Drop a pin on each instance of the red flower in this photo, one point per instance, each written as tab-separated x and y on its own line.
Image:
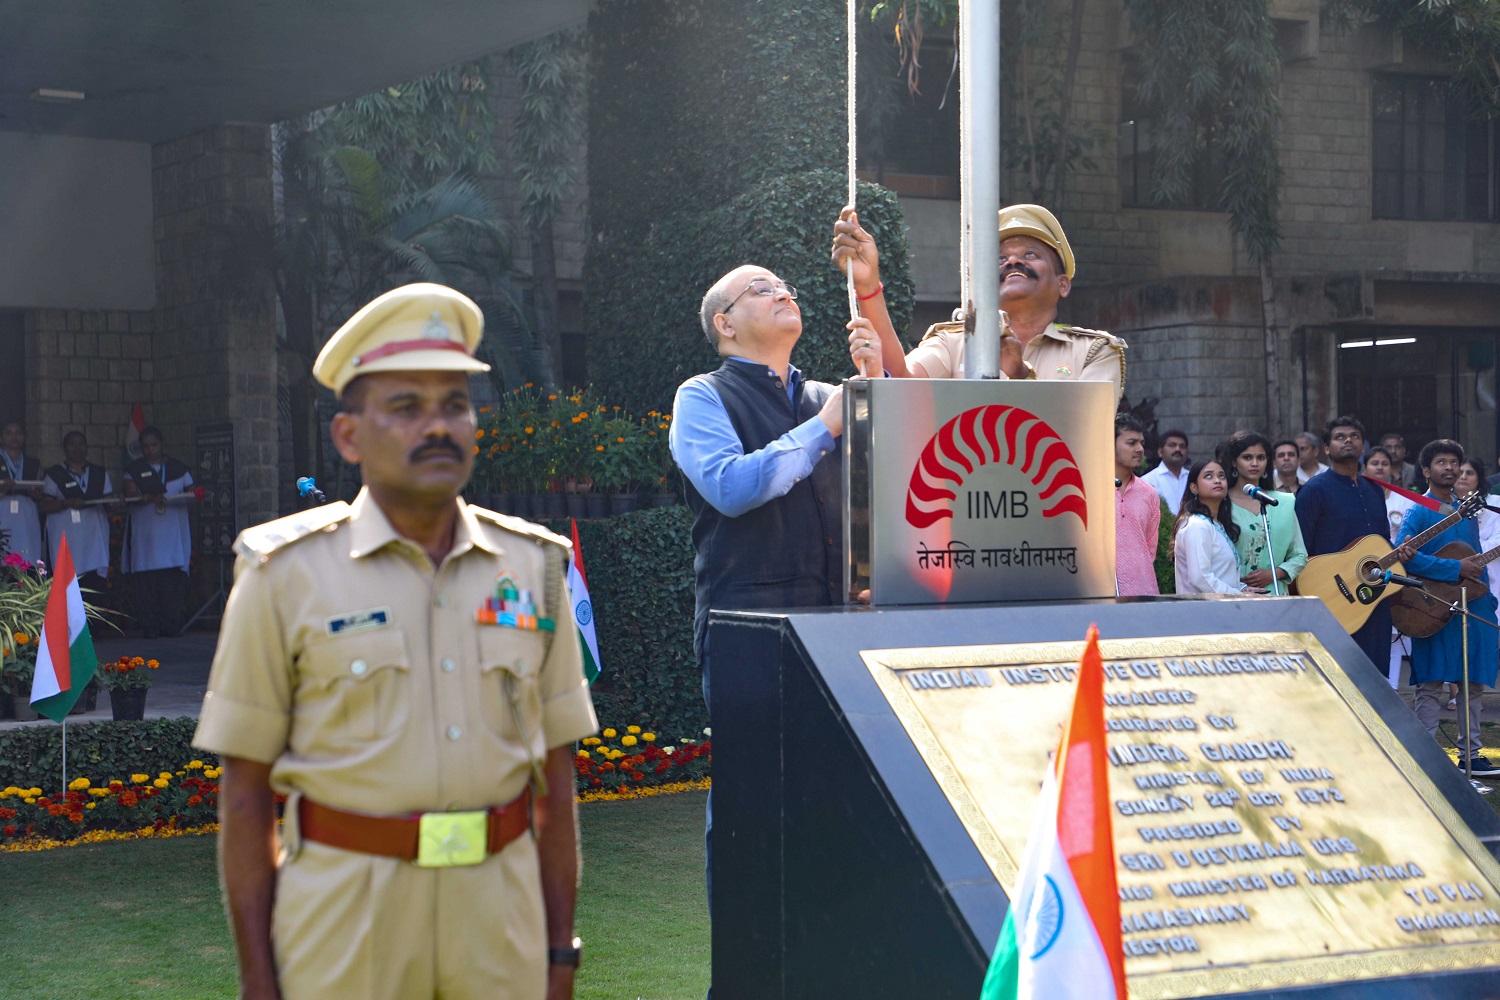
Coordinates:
10	831
56	810
44	801
637	776
76	817
128	799
595	782
194	800
662	768
7	814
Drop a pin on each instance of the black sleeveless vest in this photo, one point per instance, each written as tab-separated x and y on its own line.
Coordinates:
62	476
789	551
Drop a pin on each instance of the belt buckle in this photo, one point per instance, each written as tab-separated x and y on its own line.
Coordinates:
452	839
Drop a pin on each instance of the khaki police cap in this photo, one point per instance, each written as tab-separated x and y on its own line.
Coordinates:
1034	220
420	327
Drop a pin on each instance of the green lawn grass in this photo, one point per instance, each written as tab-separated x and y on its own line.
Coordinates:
143	918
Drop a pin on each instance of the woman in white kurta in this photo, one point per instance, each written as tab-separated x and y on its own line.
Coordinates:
1204	545
1380	465
70	496
158	542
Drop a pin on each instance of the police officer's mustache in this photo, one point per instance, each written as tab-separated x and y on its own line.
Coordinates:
444	446
1015	269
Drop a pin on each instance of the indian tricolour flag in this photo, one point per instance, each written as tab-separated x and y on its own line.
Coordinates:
583	609
133	434
65	659
1061	939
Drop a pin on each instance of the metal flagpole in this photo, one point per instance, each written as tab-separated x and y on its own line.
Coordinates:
980	167
65	754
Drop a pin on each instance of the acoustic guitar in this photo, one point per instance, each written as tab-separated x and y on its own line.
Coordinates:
1422	613
1352	582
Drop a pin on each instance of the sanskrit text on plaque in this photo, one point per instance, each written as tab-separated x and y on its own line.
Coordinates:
1267	826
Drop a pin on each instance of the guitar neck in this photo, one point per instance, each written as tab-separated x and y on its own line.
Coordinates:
1422	538
1489	556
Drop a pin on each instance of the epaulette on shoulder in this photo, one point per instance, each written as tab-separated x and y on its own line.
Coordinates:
521	527
947	326
1086	332
260	542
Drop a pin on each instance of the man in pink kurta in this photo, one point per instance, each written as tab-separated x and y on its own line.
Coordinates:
1137	512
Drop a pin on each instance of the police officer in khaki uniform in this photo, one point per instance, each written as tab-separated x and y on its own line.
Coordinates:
1036	270
401	668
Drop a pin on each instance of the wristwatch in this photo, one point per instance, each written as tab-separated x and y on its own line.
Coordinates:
566	956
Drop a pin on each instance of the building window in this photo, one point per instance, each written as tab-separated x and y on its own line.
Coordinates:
1140	140
1429	158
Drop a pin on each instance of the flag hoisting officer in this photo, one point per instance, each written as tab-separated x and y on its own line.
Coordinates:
392	667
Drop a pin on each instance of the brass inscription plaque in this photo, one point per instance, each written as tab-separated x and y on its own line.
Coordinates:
1270	831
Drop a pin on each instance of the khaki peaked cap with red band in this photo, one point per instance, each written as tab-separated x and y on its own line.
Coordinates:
414	328
1035	221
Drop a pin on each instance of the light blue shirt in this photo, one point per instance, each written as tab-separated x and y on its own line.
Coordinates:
708	451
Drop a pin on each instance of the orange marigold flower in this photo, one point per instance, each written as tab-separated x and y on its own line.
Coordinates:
598	447
76	817
153	664
21	638
136	661
128	799
195	800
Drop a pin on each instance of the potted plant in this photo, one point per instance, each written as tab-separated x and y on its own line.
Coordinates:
128	680
661	469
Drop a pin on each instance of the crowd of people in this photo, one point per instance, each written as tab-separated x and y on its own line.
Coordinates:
1224	503
40	505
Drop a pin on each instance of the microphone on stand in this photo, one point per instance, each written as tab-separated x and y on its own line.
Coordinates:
308	487
1256	493
1405	581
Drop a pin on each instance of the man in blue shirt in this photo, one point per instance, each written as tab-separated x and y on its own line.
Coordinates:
757	446
1438	660
1337	506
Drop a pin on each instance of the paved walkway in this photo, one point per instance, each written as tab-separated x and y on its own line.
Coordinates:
177	686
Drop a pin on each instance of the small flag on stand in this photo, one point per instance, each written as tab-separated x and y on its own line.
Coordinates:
1061	939
133	434
65	660
583	609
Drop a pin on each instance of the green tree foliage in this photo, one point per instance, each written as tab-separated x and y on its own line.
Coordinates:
421	131
1208	70
1464	33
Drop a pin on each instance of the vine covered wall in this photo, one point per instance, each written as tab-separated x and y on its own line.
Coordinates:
716	138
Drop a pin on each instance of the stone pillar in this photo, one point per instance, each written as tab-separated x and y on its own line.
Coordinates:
214	347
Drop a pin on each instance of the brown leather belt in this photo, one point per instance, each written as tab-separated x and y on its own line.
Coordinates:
397	836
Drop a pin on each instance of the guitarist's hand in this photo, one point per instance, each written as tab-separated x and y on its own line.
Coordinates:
1471	568
1405	551
1260	578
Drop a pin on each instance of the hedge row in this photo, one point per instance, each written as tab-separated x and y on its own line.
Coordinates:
100	751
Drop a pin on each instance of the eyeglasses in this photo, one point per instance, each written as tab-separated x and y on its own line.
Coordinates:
765	289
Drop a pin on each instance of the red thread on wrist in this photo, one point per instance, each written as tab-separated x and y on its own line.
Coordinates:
866	298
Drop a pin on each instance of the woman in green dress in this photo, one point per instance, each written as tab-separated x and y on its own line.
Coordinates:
1246	457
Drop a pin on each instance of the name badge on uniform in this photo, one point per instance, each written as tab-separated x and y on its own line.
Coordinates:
77	515
360	621
512	608
15	506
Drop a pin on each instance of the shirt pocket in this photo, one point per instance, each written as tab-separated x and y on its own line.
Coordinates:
510	665
355	688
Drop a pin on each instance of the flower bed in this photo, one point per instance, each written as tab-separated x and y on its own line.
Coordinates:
176	799
617	764
615	760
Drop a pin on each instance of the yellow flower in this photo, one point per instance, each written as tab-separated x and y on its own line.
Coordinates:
161	782
88	805
609	734
629	741
98	793
78	784
165	774
649	737
591	741
585	753
194	765
633	730
30	800
616	754
8	791
139	779
35	791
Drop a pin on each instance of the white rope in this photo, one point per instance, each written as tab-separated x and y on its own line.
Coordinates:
852	58
963	191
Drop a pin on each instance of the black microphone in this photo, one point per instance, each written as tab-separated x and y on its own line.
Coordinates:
308	487
1405	581
1256	493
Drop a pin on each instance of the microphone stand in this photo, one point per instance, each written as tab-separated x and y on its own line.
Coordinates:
1265	523
1461	607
